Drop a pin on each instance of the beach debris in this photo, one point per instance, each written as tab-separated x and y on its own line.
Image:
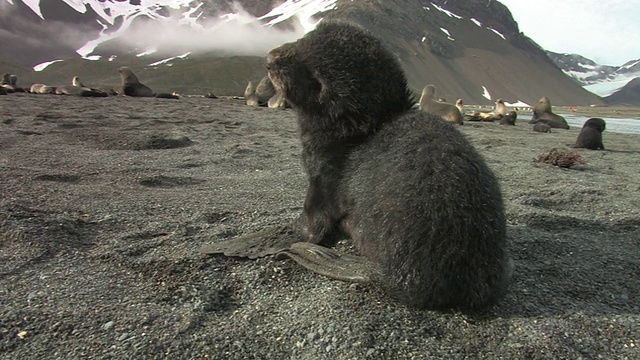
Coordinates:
560	158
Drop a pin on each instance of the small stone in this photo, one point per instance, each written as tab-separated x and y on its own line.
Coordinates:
108	325
123	337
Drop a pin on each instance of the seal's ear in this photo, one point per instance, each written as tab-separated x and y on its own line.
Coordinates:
321	87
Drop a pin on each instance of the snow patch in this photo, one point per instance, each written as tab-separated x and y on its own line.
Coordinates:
449	13
447	33
147	52
43	65
165	61
478	23
304	10
497	32
518	103
485	93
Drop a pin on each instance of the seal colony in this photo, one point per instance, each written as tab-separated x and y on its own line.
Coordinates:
422	207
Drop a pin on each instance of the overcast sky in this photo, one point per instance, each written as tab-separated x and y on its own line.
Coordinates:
605	31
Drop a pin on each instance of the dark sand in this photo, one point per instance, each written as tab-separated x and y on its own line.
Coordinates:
105	203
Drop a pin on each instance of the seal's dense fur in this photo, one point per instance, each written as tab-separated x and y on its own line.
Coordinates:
590	136
417	199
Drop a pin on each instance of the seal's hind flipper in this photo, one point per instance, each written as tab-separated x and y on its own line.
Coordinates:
262	243
331	263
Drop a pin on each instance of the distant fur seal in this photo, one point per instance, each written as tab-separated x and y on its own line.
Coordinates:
590	136
250	97
447	111
42	89
542	113
77	88
418	201
131	86
500	108
542	127
509	119
9	83
460	106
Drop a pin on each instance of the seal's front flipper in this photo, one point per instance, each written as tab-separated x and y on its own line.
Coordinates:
262	243
331	263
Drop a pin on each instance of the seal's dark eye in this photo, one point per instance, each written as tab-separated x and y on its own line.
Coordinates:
268	66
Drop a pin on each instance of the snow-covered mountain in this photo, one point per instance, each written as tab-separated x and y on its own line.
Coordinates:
470	49
602	80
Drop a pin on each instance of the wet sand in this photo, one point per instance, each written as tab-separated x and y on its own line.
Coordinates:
105	202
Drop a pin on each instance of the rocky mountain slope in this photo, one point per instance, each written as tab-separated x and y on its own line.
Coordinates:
470	49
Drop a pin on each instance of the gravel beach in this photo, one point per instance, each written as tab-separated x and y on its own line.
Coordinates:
105	202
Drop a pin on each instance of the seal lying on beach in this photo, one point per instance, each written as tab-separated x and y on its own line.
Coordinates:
419	202
542	114
42	89
447	111
590	136
77	88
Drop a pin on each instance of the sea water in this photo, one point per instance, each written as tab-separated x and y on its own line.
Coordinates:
618	125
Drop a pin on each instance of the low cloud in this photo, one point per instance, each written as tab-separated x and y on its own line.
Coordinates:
236	33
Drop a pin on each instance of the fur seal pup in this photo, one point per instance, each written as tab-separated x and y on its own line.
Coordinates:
509	119
447	111
542	127
590	136
542	113
131	86
420	204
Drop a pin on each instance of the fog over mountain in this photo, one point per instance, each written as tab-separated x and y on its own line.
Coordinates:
469	49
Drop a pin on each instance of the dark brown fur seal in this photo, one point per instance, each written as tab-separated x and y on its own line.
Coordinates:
131	86
542	127
542	114
590	136
418	201
447	111
509	119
